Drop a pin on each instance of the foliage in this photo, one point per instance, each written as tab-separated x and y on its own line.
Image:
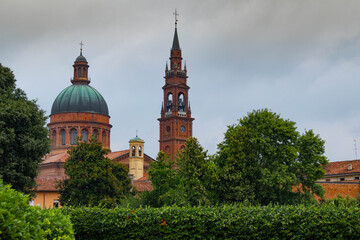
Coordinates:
264	159
23	136
187	184
193	171
226	222
164	180
93	178
19	220
341	201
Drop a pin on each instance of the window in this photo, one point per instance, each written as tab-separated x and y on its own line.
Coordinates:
328	179
139	151
169	103
54	138
167	149
133	151
96	134
73	136
181	102
62	134
357	178
104	138
79	72
342	179
83	72
56	203
84	134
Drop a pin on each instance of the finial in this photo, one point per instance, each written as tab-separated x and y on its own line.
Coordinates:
166	68
81	44
176	20
136	133
185	66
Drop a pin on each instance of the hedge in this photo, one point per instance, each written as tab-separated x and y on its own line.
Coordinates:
19	220
228	222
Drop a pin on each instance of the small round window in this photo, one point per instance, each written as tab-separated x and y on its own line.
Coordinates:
182	128
168	128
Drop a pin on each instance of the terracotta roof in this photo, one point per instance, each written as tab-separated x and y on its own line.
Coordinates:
47	184
113	155
144	178
342	167
60	157
143	185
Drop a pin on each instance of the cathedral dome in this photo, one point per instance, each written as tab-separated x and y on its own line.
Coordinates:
80	98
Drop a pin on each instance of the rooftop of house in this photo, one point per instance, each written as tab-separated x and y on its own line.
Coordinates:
342	167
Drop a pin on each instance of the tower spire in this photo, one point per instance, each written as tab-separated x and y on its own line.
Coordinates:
81	44
176	45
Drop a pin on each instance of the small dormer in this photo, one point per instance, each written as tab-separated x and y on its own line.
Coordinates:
349	167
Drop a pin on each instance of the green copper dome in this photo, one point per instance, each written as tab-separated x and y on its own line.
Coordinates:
80	98
80	58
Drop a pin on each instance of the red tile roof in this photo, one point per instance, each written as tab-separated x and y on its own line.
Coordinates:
113	155
60	157
144	185
343	167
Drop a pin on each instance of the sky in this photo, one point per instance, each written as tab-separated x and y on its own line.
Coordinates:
300	59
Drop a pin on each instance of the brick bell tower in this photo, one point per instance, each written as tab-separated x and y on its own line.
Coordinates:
176	120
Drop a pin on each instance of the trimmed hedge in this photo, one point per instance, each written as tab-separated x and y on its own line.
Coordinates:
19	220
228	222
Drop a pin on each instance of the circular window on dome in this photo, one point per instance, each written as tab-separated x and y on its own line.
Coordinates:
168	128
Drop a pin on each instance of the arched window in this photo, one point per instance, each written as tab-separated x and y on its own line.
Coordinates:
140	152
73	136
169	102
133	151
84	134
104	138
167	149
181	102
182	147
62	134
54	138
96	134
79	72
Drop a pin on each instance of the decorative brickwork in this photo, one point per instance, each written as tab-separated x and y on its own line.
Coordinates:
176	120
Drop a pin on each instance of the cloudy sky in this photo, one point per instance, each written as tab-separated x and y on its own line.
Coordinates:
300	59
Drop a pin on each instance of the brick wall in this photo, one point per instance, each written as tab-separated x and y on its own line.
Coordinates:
345	189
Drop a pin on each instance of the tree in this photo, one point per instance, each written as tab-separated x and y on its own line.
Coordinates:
23	135
193	169
264	159
189	183
93	178
164	180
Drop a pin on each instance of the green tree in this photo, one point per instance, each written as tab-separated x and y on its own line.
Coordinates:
189	183
93	178
19	220
164	180
193	170
23	135
264	159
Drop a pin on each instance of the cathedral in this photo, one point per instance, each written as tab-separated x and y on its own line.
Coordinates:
80	111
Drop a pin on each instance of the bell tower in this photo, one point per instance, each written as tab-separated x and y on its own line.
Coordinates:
176	120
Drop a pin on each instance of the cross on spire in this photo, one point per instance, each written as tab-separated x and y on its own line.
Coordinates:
81	44
176	15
